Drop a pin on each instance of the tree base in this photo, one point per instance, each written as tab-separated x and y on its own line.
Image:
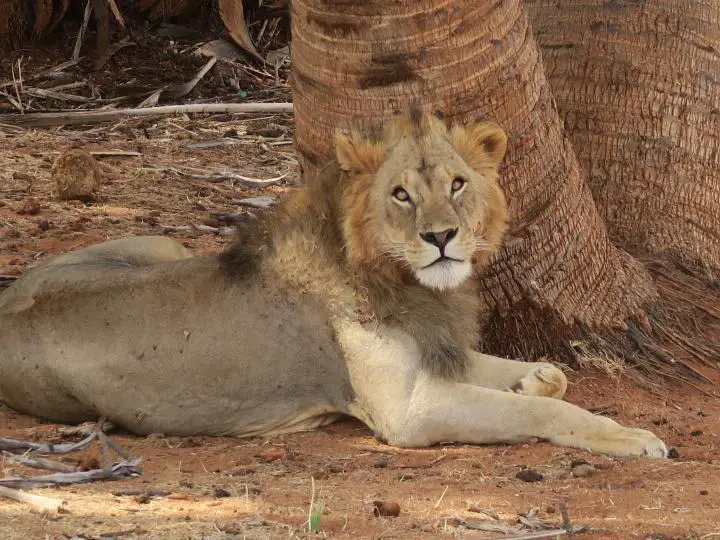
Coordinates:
678	339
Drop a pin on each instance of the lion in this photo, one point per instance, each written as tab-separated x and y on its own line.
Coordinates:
356	297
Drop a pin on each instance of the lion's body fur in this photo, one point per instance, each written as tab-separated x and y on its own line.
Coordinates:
341	302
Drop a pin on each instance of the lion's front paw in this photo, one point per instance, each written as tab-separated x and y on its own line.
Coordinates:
641	442
545	380
617	440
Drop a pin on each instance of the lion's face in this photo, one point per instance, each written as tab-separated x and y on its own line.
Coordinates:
426	199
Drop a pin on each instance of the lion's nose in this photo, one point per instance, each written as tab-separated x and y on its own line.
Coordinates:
439	239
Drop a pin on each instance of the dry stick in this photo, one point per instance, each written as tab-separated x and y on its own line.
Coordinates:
93	117
117	471
107	153
39	463
239	178
54	71
553	533
59	96
106	442
12	101
183	89
16	84
40	502
103	440
81	33
47	448
116	12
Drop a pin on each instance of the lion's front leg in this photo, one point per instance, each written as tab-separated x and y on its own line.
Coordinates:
440	410
527	378
407	406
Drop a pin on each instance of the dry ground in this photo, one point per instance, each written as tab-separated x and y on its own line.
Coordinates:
227	488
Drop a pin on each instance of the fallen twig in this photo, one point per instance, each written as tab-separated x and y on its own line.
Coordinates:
553	533
93	117
111	51
40	463
47	448
59	96
233	219
17	84
15	103
81	32
262	203
182	89
116	12
108	153
199	227
224	231
123	469
40	502
108	442
240	179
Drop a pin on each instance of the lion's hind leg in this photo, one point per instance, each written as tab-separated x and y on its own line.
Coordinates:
527	378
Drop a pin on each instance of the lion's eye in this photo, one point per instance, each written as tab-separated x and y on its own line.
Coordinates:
400	194
457	184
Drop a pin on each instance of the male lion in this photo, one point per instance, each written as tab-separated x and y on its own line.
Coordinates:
352	299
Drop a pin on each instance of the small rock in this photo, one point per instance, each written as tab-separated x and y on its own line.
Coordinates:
44	225
696	433
22	176
382	464
143	498
704	492
386	509
220	493
574	463
273	454
242	471
267	130
529	475
673	453
178	496
320	474
30	207
582	470
550	509
76	175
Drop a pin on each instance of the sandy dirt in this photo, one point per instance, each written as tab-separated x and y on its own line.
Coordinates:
230	488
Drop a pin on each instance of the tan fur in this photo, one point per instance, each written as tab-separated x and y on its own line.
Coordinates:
338	303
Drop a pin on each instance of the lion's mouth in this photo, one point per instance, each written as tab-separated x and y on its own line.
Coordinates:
443	261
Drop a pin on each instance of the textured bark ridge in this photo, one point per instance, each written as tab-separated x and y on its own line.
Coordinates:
638	86
359	63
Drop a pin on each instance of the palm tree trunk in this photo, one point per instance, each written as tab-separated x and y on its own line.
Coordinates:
358	63
638	86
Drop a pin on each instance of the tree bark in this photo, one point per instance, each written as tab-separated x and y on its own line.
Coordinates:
359	63
638	86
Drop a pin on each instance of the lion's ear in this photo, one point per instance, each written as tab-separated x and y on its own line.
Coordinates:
481	145
358	155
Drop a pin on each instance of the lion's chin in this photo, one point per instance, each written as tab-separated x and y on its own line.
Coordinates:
444	275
